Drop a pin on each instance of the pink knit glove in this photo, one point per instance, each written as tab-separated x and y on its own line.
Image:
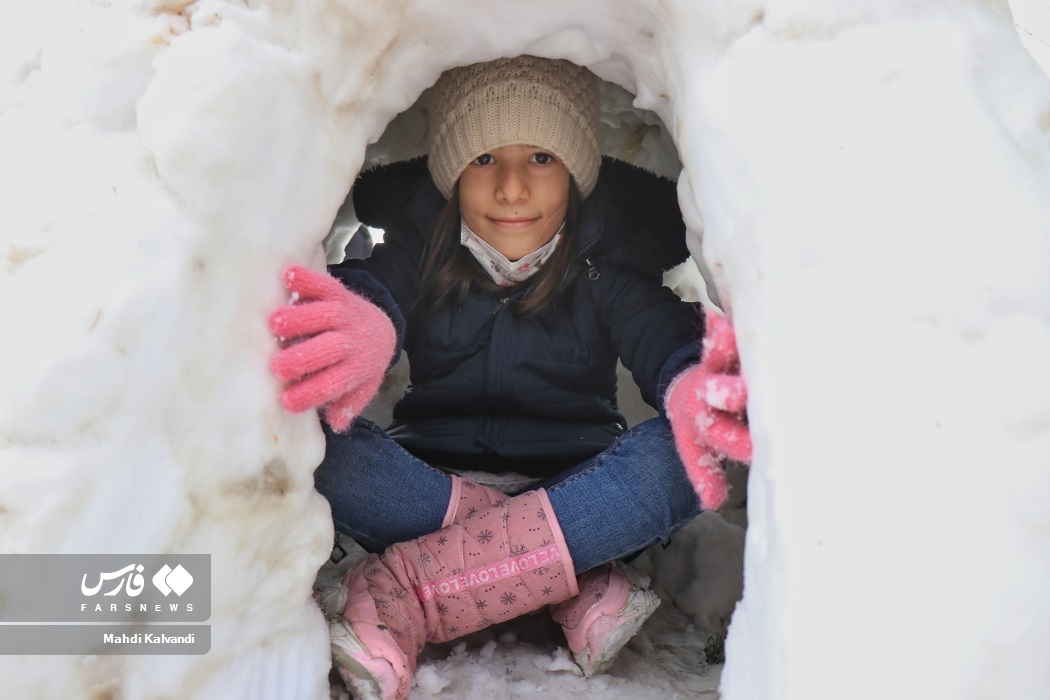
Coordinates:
706	406
341	347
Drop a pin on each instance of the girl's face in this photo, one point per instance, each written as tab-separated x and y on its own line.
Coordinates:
514	198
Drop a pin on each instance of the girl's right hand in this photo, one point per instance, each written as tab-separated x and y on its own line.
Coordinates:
340	347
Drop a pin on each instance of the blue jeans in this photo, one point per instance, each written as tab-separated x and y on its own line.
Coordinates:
618	502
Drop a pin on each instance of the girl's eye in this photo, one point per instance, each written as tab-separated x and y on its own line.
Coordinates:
484	159
542	158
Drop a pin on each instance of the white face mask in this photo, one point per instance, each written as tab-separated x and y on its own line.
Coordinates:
502	271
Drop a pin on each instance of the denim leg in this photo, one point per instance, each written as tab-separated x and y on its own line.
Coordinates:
630	496
379	493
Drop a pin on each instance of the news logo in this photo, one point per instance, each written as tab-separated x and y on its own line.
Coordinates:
167	581
131	603
132	582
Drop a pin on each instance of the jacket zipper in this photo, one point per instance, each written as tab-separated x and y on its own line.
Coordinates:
499	305
592	271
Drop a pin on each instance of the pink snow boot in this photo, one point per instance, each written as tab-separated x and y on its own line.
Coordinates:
613	604
492	566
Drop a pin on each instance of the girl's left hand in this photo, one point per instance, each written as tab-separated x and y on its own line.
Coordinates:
706	405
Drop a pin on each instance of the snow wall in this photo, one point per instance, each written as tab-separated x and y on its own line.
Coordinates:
870	181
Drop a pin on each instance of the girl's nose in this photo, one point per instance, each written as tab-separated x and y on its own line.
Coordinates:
511	185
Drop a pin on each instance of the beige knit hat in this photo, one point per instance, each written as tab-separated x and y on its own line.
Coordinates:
541	102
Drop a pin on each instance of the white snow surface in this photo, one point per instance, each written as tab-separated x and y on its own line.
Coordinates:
865	183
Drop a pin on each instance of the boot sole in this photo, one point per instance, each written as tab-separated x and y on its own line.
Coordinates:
361	678
628	620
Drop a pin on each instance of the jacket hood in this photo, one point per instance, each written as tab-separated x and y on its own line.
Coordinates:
631	218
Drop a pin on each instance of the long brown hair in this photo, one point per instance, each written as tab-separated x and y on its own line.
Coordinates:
448	268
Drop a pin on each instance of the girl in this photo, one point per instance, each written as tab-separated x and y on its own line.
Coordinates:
508	275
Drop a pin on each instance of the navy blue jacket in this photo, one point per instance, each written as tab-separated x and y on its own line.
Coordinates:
492	390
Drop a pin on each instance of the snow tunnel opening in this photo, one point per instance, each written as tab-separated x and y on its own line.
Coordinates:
627	133
639	137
